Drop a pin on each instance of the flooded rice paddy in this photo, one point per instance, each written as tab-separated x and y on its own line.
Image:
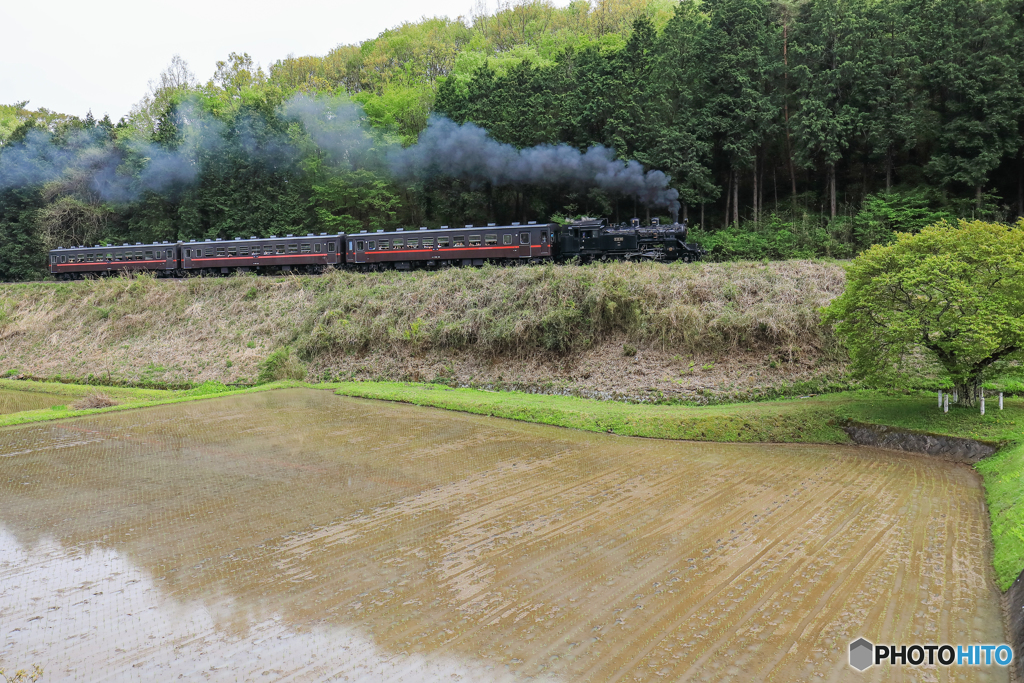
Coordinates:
296	535
17	401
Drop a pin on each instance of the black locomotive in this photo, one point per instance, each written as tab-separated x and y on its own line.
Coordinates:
584	241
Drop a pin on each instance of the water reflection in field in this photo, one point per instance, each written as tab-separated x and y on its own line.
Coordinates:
299	535
16	401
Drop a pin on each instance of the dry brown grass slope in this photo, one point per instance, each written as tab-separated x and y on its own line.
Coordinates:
732	329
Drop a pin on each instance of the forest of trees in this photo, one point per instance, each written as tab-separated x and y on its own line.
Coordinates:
790	128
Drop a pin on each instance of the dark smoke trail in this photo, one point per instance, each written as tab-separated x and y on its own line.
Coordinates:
467	152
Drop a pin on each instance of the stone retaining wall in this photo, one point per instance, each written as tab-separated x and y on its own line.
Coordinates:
949	448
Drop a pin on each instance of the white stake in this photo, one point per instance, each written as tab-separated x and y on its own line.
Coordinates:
982	405
1000	400
940	398
945	405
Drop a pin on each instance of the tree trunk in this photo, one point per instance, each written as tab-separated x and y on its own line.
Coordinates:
977	198
785	106
888	169
1020	185
966	393
757	205
736	198
686	211
832	189
702	215
775	185
728	200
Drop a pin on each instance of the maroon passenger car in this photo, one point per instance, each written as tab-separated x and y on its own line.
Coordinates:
444	246
77	263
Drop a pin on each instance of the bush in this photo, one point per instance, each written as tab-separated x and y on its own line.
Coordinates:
97	400
281	364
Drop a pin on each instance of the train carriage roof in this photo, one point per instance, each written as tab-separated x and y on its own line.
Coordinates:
114	246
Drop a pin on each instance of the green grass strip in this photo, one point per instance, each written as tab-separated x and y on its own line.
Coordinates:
1004	492
131	398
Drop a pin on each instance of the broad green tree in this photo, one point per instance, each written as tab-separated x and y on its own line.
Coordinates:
950	296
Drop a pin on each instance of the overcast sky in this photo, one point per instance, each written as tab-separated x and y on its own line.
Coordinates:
72	55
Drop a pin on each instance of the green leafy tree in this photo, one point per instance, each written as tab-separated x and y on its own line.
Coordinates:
972	76
886	213
885	89
951	296
682	138
827	69
739	70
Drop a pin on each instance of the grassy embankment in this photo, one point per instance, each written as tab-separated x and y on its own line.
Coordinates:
816	419
694	332
127	398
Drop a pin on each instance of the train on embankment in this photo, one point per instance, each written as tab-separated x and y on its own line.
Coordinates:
583	241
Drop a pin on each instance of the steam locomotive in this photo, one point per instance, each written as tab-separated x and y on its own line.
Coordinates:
584	240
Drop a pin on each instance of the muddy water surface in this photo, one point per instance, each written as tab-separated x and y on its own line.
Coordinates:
296	535
16	401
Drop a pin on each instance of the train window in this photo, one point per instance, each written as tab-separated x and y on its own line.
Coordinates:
209	251
413	243
293	249
442	242
304	247
280	249
243	251
138	256
524	238
359	245
474	240
110	257
188	253
428	242
89	257
317	247
384	244
118	256
543	238
506	239
490	239
398	244
459	241
350	245
149	256
63	259
232	251
221	251
268	249
373	245
330	246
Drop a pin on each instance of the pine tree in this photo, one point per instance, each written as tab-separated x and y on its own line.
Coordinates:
738	72
827	55
885	89
972	77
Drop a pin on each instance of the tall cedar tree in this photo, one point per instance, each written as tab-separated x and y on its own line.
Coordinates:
739	70
828	66
972	77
